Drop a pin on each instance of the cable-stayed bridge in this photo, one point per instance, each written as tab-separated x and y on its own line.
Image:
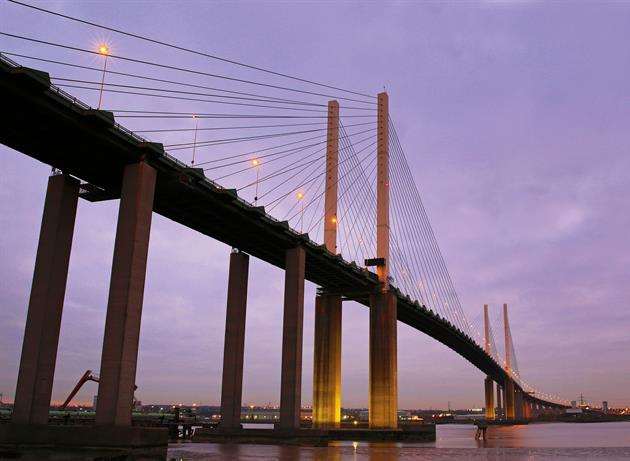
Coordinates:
307	176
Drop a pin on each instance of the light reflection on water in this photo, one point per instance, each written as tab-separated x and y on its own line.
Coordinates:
609	441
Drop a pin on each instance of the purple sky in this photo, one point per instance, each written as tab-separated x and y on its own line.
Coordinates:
515	119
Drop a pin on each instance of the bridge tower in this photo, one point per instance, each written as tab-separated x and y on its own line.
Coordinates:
508	388
489	384
327	342
383	386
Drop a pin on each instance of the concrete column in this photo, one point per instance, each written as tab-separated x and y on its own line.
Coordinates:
382	188
489	387
508	391
327	362
327	340
292	329
499	401
518	404
126	291
504	390
234	346
489	384
507	335
332	178
43	321
383	389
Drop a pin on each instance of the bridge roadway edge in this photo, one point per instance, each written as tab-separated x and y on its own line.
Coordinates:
47	124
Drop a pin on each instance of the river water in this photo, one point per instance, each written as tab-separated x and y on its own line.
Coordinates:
545	441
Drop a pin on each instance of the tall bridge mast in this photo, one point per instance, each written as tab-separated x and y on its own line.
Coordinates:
383	389
327	337
489	383
382	189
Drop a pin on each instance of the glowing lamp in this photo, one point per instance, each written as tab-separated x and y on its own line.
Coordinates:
103	49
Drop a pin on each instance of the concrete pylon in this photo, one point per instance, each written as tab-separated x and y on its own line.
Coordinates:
489	383
327	362
382	188
508	398
489	388
499	403
518	404
126	292
506	331
332	178
234	345
383	387
508	388
327	338
292	333
383	390
43	321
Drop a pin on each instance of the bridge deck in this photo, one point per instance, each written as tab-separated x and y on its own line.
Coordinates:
42	121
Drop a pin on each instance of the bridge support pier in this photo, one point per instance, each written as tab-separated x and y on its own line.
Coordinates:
234	345
518	405
508	399
43	321
499	414
489	388
292	333
327	362
126	291
383	389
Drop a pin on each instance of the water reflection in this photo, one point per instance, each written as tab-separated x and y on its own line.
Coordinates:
535	441
289	453
229	451
382	451
327	454
551	435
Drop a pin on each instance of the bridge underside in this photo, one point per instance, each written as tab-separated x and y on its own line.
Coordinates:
45	124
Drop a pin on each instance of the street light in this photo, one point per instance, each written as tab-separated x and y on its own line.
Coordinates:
300	197
103	50
256	165
196	119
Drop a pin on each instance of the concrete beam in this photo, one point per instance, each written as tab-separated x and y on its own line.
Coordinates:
292	333
327	362
383	388
43	321
234	346
126	292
